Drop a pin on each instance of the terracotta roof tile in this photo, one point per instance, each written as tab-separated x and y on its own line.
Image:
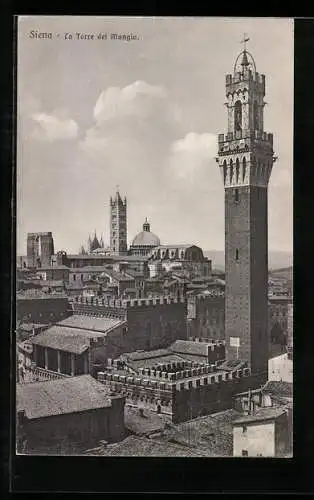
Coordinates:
66	339
57	397
262	414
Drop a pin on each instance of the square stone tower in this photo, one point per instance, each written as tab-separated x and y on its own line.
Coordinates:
245	160
40	249
118	225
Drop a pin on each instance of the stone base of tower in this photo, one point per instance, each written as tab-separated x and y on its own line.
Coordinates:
258	363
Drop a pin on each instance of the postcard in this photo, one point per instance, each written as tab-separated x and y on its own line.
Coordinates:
154	303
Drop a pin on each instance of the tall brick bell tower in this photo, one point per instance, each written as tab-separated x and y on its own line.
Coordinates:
245	160
118	225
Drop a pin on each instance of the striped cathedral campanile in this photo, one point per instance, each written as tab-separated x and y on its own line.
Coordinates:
246	159
118	225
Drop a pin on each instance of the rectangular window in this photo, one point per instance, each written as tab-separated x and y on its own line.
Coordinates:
236	195
237	254
245	453
74	277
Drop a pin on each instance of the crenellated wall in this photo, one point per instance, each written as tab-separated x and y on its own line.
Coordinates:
126	304
193	391
152	323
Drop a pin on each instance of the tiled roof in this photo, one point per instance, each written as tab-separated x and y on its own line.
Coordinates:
232	365
262	414
38	294
118	276
190	347
58	397
75	285
134	446
73	340
51	268
29	327
136	356
100	324
47	283
88	257
211	434
194	286
119	258
88	269
187	357
134	274
168	358
278	388
143	425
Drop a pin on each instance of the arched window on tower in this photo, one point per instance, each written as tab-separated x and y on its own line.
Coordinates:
238	116
237	170
244	169
258	168
225	170
231	170
255	116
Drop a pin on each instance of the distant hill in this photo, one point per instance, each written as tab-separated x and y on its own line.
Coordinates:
276	259
284	273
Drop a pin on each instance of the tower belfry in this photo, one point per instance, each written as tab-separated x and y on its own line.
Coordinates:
246	157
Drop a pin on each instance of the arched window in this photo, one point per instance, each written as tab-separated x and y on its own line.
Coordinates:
237	170
258	168
238	116
225	170
255	116
244	168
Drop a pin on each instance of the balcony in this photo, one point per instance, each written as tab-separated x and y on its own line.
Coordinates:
36	374
246	134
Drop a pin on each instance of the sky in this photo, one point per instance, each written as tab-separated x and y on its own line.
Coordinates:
143	115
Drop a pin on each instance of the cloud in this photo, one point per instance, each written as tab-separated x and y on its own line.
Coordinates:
53	127
130	139
133	100
190	155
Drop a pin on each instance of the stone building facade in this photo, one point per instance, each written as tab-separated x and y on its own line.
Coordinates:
151	323
40	249
100	329
245	158
43	310
183	390
189	258
279	317
206	315
266	433
67	415
136	263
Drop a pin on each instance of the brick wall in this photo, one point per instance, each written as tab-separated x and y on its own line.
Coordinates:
70	431
207	317
246	275
42	310
178	395
156	326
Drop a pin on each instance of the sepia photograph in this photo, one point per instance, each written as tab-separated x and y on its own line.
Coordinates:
154	236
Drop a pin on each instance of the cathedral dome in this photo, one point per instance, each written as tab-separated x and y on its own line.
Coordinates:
146	238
